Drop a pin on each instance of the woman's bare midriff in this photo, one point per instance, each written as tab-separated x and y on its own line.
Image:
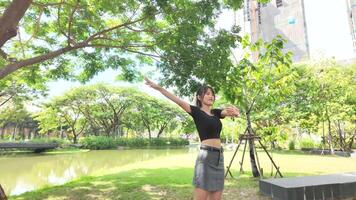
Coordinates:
214	142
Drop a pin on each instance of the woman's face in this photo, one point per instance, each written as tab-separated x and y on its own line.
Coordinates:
208	98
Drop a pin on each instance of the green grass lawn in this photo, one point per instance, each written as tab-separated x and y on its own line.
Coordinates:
171	177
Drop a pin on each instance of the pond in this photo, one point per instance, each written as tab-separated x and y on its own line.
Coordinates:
25	172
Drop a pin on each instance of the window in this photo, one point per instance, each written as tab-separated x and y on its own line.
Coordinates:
247	16
259	13
279	3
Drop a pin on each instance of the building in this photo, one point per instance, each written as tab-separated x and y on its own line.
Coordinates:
314	28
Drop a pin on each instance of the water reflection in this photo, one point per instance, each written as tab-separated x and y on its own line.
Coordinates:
25	172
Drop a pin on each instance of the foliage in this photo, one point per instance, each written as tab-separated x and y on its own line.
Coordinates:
103	142
60	142
77	39
259	88
325	95
291	145
154	114
110	111
98	142
307	144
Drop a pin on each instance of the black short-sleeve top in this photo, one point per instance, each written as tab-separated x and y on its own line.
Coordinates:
208	126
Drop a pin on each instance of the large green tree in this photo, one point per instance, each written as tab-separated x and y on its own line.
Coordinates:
104	106
77	39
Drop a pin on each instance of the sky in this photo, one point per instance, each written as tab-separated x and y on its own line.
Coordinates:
328	34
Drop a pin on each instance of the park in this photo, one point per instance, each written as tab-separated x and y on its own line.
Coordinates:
91	98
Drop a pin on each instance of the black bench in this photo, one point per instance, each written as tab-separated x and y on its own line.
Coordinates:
333	186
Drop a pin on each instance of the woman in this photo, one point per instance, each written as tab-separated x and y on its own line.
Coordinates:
209	167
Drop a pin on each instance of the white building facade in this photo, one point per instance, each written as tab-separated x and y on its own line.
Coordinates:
313	28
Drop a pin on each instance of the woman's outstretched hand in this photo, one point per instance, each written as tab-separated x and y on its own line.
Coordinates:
232	111
152	84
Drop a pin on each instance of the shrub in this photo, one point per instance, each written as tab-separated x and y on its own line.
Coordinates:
291	145
354	145
307	144
178	142
98	142
158	142
102	142
137	142
60	142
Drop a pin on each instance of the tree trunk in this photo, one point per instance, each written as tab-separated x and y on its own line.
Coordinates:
255	172
149	132
324	139
61	132
330	138
14	132
147	125
162	129
2	132
22	132
342	138
75	139
351	142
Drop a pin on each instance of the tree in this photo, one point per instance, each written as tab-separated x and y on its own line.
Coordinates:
259	86
111	34
17	117
155	114
67	108
188	126
104	106
20	88
325	93
49	120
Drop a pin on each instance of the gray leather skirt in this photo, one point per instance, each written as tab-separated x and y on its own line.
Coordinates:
209	169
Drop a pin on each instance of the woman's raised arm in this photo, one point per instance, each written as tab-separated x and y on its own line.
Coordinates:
169	95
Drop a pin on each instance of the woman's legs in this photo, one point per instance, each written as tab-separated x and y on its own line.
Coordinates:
215	195
200	194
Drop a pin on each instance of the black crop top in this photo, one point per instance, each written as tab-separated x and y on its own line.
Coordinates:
208	126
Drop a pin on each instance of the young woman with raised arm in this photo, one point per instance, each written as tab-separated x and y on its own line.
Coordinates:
209	166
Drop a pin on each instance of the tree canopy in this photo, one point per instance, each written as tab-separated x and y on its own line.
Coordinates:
74	39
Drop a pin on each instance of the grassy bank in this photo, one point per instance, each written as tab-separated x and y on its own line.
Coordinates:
161	183
170	178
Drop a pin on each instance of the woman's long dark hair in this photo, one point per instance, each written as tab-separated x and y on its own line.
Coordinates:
201	92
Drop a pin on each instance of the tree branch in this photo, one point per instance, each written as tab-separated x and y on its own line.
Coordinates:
7	69
11	18
21	45
3	54
126	48
119	46
48	4
142	30
2	103
70	22
93	37
37	25
138	52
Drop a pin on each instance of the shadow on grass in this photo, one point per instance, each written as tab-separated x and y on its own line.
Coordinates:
135	184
